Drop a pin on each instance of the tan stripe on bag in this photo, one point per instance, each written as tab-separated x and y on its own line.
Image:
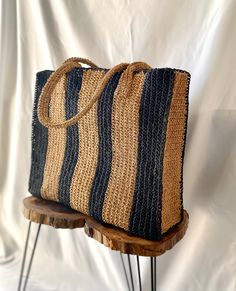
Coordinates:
56	144
171	178
88	145
125	129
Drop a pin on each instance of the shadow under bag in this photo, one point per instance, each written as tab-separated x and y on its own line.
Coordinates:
110	143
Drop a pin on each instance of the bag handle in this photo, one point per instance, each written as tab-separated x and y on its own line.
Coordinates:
68	65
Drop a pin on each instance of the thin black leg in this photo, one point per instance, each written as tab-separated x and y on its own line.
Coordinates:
126	276
24	257
152	281
139	275
31	258
155	273
130	272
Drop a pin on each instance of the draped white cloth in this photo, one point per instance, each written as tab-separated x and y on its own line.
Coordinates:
196	35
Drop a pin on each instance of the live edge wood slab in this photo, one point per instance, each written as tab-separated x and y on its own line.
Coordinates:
59	216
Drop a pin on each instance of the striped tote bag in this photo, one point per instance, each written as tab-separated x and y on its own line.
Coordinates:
110	143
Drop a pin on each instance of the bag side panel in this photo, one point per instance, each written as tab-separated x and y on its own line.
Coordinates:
125	124
85	168
39	140
172	204
56	144
73	86
105	151
145	219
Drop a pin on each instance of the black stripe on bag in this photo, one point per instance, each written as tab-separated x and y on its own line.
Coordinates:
103	169
39	140
73	85
145	218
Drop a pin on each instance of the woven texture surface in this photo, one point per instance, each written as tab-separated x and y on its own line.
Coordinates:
122	163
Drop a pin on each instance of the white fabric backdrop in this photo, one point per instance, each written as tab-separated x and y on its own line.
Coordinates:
195	35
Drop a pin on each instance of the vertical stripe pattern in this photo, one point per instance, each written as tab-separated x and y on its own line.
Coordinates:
39	140
74	80
103	170
88	145
145	215
172	164
56	144
122	163
125	123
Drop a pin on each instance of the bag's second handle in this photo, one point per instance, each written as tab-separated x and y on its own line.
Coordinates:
67	66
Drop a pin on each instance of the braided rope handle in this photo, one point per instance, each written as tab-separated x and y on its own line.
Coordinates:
67	66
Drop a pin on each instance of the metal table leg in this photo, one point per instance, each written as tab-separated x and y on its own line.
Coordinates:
125	272
130	280
139	275
24	258
153	273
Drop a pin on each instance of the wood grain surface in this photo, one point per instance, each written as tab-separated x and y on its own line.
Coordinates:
59	216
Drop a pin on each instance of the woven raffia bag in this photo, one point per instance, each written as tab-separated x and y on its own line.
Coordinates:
110	143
